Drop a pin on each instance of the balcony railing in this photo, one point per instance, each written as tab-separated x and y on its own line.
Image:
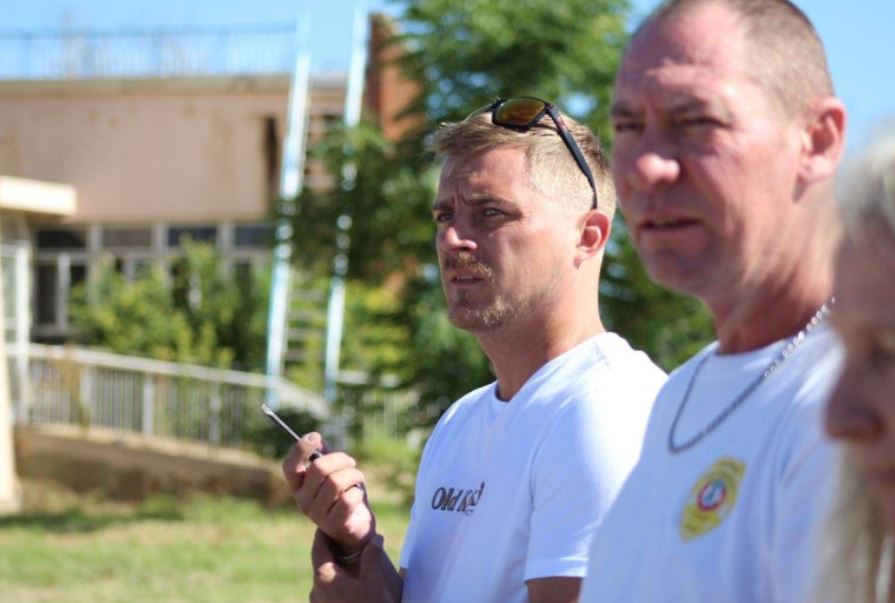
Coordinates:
87	54
68	385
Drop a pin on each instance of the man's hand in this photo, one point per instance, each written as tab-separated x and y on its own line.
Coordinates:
373	580
330	492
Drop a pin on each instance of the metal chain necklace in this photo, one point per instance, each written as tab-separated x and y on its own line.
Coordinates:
787	351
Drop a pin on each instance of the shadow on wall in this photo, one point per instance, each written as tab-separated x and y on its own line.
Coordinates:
126	467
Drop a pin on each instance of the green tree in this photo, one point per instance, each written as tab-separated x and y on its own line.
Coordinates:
463	54
203	315
466	53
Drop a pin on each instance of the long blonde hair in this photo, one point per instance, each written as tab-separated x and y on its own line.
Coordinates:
857	556
857	552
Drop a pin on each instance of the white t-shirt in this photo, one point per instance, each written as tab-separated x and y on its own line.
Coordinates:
733	518
510	491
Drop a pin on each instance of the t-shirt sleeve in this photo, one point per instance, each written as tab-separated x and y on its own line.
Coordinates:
409	540
412	533
578	469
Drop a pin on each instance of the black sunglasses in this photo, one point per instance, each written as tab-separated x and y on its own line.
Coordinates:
521	113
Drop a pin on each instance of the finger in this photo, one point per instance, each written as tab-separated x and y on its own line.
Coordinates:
334	461
350	498
312	442
318	472
294	469
345	506
319	505
350	522
337	484
300	455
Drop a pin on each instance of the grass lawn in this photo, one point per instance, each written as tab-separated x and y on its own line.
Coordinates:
66	548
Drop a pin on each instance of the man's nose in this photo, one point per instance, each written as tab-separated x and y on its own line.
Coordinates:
648	163
851	412
454	236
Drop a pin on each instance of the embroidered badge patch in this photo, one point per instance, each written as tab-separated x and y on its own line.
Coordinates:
711	498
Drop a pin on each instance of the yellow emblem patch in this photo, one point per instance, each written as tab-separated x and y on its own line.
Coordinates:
711	498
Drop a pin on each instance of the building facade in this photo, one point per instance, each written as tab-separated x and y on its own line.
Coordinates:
151	161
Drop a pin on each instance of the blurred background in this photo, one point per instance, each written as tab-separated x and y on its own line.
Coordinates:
209	205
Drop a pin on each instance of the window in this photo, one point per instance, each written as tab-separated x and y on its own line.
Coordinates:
253	235
46	293
198	234
62	238
127	237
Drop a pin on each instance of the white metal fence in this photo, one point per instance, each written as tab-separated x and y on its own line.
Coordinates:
69	385
74	54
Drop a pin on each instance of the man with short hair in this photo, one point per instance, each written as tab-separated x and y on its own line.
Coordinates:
516	474
727	139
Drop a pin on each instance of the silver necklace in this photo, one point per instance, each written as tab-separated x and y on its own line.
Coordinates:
787	351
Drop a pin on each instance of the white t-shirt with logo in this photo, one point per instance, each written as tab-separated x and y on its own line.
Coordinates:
733	518
510	491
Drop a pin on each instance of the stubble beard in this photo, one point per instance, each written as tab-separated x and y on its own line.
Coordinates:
471	316
505	306
467	312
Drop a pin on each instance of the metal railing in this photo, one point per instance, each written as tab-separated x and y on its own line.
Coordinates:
69	385
82	54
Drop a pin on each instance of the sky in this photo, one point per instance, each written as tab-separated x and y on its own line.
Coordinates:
857	34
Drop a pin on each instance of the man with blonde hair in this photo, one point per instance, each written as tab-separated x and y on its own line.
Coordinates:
727	140
516	474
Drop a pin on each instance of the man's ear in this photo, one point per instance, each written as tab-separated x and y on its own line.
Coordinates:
593	235
823	140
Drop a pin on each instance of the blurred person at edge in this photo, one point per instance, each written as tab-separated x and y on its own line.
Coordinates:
516	474
727	138
858	564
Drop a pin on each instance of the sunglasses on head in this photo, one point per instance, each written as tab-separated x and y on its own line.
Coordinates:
521	113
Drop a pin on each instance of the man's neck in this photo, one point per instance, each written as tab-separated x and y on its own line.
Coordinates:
517	352
768	316
790	292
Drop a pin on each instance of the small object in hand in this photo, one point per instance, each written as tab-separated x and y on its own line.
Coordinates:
276	419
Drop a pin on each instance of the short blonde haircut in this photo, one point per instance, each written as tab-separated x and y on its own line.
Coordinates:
553	169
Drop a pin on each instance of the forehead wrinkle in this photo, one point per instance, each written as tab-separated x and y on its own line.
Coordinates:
694	40
669	52
460	184
680	89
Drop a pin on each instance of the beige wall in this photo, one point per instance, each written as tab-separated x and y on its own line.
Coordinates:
125	466
179	150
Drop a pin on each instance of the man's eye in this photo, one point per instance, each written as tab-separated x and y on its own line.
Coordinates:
490	212
442	216
698	120
624	127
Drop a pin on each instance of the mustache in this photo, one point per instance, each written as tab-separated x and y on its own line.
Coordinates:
466	261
